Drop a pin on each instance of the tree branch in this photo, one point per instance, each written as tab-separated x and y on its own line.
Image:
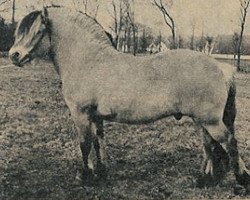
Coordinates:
96	11
4	2
243	9
169	21
4	10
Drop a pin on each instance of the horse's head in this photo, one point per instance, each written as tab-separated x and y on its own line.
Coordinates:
29	33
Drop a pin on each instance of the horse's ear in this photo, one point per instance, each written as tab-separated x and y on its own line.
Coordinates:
44	15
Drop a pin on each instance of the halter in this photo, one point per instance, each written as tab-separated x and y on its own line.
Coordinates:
48	30
47	23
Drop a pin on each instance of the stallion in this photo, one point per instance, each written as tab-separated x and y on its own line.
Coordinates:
101	84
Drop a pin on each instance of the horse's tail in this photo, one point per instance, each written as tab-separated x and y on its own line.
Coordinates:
230	108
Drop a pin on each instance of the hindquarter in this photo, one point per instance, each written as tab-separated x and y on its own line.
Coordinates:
198	89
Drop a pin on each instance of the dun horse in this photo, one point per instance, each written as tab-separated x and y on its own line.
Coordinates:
100	84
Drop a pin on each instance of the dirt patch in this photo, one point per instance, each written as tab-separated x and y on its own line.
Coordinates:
40	157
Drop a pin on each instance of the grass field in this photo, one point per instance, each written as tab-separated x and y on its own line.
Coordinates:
40	156
244	63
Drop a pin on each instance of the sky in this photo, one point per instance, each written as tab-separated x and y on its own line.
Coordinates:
212	17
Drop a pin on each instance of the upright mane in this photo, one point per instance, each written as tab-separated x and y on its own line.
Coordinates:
89	26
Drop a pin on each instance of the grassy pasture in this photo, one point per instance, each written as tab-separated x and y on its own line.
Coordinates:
40	157
244	63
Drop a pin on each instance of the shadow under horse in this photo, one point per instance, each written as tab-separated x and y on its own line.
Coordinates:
100	83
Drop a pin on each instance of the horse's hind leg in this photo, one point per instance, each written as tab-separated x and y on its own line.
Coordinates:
216	160
240	171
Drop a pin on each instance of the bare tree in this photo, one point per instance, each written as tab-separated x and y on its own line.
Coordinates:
169	20
235	43
118	16
244	4
85	3
193	25
180	42
209	46
3	3
124	27
90	8
13	12
130	14
13	9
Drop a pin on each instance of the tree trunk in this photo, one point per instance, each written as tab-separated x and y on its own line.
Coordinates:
238	61
174	38
13	12
244	7
134	41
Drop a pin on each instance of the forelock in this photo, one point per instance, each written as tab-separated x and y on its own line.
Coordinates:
26	23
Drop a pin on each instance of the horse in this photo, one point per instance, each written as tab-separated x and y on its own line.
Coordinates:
101	84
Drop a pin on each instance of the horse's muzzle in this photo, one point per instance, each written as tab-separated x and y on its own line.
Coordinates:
18	60
15	58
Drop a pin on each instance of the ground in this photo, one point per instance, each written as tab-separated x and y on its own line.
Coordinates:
40	156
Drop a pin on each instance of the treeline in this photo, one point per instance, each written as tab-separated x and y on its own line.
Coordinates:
227	44
137	38
6	35
138	42
222	44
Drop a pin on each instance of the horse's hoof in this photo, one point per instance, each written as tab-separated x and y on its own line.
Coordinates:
244	180
87	174
241	191
206	180
101	171
83	176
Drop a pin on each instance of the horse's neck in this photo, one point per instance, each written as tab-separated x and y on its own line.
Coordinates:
73	45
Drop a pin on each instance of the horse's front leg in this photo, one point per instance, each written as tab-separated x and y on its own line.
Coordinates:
99	146
90	130
89	125
86	136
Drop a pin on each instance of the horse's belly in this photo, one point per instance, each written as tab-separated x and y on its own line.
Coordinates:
139	110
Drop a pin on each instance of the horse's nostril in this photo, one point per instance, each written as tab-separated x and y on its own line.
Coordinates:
15	56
